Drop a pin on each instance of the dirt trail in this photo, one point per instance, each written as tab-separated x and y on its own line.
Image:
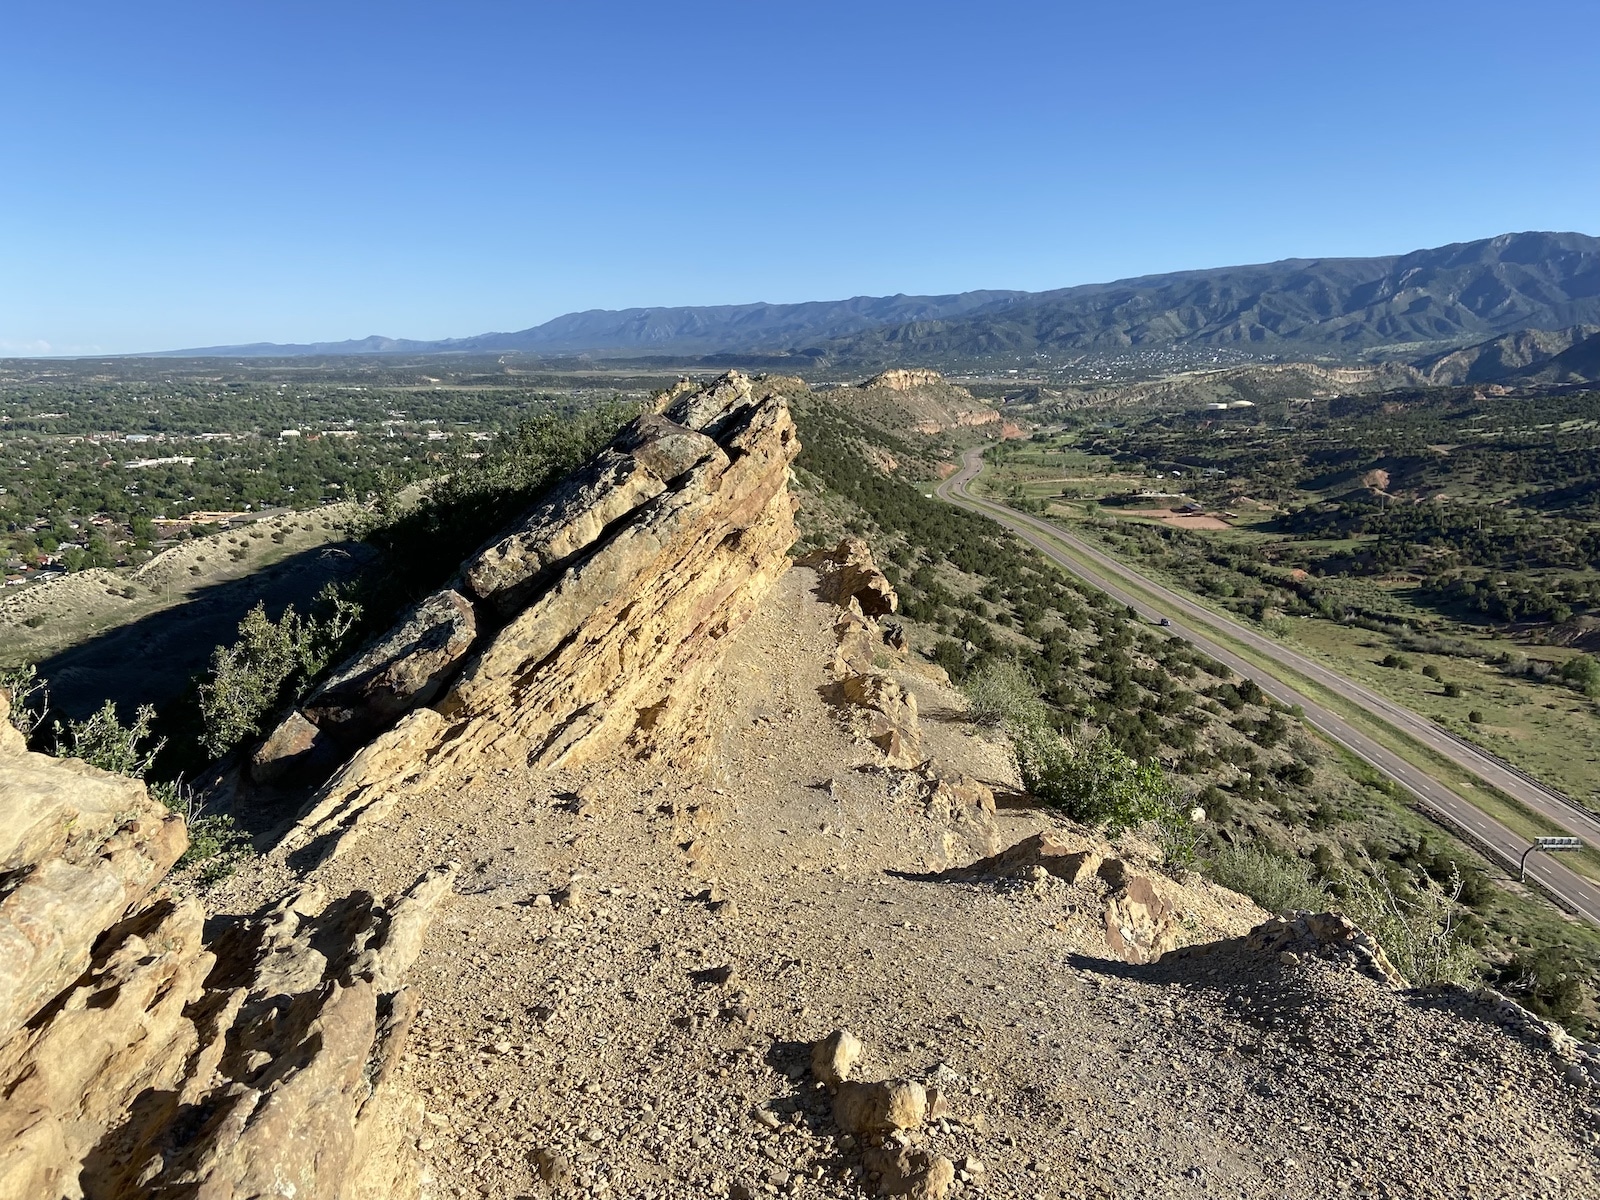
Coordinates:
619	1001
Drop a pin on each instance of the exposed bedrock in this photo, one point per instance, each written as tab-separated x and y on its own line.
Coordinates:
599	615
136	1060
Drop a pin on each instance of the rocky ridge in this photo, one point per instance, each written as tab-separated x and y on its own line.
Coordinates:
698	884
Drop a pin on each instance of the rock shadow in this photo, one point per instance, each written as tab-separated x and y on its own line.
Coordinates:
151	660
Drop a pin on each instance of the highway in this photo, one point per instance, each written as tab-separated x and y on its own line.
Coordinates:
1441	803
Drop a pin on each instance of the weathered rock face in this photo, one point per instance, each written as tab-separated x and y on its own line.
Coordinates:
849	573
651	454
600	614
904	379
78	849
405	668
137	1061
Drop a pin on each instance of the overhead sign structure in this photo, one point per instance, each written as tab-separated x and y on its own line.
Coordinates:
1549	845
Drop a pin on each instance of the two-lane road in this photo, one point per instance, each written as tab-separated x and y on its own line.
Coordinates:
1442	803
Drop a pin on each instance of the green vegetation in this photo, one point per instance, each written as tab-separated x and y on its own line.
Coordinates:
1435	545
1279	883
1289	818
103	741
271	665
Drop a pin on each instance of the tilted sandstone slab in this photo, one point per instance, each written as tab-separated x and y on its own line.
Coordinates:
625	585
615	651
650	454
405	668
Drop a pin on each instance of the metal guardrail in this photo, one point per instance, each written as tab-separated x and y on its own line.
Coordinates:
1554	793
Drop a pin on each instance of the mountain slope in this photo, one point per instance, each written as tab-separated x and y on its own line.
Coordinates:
1451	295
1521	354
1457	293
684	330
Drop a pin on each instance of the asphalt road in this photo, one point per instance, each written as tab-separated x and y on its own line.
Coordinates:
1443	804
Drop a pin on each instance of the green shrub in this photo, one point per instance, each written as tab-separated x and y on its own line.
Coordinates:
1452	690
28	695
999	692
1583	672
1276	882
103	741
1417	925
1548	982
271	664
216	844
1095	782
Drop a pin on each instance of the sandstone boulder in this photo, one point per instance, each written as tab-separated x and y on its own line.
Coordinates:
79	848
865	1109
1065	855
295	747
910	1171
891	717
835	1056
404	669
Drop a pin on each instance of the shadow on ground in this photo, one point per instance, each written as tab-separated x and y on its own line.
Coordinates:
150	660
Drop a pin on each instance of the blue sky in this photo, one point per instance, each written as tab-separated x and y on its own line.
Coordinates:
176	174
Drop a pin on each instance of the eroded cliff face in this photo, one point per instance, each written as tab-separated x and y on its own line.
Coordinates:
591	627
139	1060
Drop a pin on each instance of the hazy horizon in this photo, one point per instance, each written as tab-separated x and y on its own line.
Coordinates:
200	177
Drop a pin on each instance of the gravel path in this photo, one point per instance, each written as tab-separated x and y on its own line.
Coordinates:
621	1000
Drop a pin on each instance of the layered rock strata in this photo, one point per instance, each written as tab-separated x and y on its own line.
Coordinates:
598	617
137	1060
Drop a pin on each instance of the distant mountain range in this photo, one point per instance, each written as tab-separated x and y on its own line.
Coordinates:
1454	295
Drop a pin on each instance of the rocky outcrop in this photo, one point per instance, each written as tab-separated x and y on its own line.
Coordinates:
137	1060
904	379
405	668
848	577
1120	894
79	848
849	573
1325	935
599	616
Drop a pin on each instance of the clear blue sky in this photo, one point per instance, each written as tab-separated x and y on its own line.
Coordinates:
181	174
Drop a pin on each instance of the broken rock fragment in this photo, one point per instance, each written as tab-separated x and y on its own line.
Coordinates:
879	1108
835	1056
907	1171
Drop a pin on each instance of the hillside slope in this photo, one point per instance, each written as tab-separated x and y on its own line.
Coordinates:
1456	293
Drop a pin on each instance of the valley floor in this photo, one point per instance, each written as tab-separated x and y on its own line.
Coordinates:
620	999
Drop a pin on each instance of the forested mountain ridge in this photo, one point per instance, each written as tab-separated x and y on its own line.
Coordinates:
667	330
1451	295
1459	293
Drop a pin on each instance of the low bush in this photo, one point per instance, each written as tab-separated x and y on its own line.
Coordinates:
1276	882
103	741
1416	924
272	663
999	692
